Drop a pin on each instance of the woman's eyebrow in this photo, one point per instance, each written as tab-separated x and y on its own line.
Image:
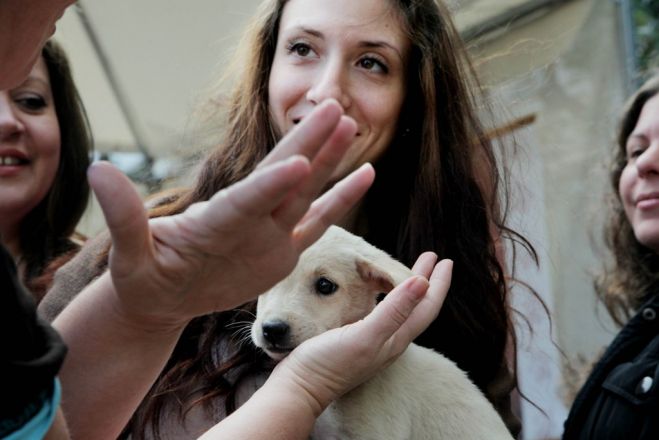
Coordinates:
636	136
381	44
32	80
306	30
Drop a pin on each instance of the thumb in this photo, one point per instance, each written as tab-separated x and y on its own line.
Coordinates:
123	210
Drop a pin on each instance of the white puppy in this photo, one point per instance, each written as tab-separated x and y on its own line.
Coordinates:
422	395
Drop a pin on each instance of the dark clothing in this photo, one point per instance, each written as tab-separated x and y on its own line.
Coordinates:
620	399
31	352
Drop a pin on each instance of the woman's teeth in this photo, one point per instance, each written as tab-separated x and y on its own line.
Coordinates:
9	161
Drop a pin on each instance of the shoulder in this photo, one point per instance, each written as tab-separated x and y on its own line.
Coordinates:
622	392
65	250
76	272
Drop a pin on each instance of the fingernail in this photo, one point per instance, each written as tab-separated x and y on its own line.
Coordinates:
418	286
295	158
331	101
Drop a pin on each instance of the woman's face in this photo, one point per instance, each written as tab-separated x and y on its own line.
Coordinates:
639	181
29	144
354	51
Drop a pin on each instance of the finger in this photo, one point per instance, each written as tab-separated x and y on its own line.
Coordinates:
330	155
333	205
322	168
429	306
440	281
393	312
308	136
123	211
425	264
258	194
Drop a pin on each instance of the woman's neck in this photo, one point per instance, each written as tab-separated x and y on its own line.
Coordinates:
10	237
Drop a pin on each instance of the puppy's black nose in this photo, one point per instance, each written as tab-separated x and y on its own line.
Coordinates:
275	332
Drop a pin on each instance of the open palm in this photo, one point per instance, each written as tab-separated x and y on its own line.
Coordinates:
225	251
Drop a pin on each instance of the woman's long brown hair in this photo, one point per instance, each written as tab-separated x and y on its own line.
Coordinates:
437	188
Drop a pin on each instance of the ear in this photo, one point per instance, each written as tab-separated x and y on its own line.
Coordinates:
374	264
381	273
377	279
379	270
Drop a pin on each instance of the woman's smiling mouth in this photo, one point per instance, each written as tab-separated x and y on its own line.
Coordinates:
648	201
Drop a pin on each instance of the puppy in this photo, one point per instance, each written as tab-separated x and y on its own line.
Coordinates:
422	395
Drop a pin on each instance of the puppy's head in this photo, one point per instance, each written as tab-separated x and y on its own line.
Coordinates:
337	281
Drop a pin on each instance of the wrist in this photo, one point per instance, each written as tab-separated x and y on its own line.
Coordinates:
135	318
314	395
278	399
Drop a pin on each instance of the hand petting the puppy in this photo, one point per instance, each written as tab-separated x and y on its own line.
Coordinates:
342	358
214	256
327	366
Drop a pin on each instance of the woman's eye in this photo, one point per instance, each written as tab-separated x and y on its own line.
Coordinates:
31	103
373	64
300	49
325	286
633	153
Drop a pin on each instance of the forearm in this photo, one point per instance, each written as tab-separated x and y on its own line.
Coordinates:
58	430
279	410
111	364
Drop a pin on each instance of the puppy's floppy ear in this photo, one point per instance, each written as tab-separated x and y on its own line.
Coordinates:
380	269
376	278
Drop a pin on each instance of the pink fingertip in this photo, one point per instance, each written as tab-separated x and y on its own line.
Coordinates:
418	286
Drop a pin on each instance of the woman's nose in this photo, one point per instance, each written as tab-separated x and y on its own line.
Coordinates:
648	162
10	124
330	82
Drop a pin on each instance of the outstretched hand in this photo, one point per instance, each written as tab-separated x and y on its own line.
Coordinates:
331	364
223	252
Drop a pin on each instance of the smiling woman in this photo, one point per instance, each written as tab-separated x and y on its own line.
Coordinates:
620	398
399	70
30	150
45	145
323	52
639	192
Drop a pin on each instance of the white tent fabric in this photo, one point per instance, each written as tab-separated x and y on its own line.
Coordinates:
160	54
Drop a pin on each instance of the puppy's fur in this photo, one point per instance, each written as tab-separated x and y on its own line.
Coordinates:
422	395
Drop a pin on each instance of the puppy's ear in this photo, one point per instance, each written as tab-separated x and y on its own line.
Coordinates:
376	278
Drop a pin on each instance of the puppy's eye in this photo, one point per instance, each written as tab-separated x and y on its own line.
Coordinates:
380	297
325	286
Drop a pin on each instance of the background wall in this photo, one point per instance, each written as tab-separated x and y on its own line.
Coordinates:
565	68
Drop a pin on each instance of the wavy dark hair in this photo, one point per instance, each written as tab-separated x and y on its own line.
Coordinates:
437	188
634	270
45	232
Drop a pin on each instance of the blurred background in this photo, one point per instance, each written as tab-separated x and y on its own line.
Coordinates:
558	71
